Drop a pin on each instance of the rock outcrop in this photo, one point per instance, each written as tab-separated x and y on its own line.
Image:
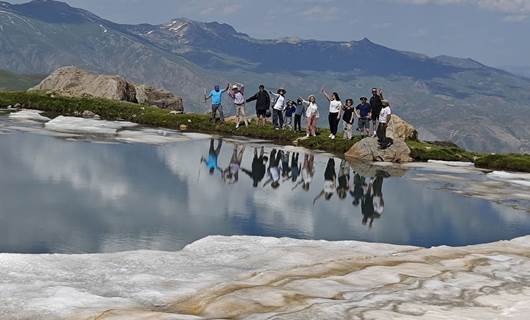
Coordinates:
75	82
368	150
399	129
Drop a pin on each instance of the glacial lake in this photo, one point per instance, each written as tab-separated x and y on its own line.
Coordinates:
90	194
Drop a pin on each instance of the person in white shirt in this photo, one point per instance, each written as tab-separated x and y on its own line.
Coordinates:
335	108
238	96
384	119
279	106
312	115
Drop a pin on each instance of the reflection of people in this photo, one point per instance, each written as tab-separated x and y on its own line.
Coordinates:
213	156
295	167
286	169
258	167
330	177
308	171
274	169
379	202
367	205
231	174
358	189
344	179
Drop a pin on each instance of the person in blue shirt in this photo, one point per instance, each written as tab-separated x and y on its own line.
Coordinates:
289	112
363	112
217	102
213	156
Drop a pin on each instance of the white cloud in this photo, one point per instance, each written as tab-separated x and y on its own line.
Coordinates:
321	13
516	10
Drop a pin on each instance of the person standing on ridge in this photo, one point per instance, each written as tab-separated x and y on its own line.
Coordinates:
238	96
348	117
217	99
312	115
363	114
300	110
375	107
384	121
335	108
279	106
263	103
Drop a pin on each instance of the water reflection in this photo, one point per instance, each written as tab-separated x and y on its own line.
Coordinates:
66	196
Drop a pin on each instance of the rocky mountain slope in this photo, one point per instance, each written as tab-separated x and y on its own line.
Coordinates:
461	100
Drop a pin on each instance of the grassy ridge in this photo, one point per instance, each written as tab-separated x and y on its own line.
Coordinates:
151	116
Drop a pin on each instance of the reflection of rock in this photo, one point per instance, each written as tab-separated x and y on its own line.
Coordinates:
399	129
368	150
369	169
75	82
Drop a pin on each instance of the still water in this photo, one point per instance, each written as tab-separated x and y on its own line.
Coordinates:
61	196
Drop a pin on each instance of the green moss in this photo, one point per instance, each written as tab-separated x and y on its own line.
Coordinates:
424	151
508	162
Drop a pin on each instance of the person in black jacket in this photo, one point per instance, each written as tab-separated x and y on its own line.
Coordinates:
263	103
376	105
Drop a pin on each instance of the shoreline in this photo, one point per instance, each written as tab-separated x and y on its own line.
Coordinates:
151	116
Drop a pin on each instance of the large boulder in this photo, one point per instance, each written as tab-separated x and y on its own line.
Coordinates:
399	129
368	150
75	82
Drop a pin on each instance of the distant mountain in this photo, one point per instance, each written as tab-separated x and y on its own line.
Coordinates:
461	100
523	71
13	82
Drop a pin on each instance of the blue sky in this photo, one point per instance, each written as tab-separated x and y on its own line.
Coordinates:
496	32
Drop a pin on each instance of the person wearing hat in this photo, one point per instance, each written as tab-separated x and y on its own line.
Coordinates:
263	103
384	119
217	98
238	96
362	111
279	106
376	106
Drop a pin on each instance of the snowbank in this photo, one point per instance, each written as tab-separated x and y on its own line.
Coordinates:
87	126
261	278
33	115
511	177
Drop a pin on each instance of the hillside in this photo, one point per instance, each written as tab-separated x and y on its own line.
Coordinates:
476	106
11	81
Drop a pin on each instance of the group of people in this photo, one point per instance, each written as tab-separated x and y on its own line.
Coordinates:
280	167
373	115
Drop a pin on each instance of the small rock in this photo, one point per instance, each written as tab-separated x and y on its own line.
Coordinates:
90	115
17	106
183	127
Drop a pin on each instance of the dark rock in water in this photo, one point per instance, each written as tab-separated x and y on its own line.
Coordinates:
75	82
369	149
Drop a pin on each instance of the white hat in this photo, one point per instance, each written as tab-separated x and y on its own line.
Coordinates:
235	87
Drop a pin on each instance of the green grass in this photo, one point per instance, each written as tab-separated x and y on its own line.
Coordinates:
508	162
11	81
152	116
424	151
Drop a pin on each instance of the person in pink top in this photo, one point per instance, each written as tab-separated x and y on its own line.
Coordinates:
237	93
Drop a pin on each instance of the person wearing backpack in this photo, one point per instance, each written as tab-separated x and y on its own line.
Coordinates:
263	103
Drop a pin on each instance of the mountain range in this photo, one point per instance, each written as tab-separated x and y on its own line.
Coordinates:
478	107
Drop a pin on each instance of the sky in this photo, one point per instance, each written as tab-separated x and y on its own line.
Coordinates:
495	32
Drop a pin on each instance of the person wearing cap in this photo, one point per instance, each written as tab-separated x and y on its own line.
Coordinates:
362	111
279	106
376	106
384	119
217	99
263	103
238	96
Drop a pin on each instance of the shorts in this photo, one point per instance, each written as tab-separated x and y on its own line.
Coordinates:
375	116
261	113
364	123
240	110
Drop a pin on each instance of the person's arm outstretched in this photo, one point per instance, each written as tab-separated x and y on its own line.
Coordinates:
325	94
253	98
